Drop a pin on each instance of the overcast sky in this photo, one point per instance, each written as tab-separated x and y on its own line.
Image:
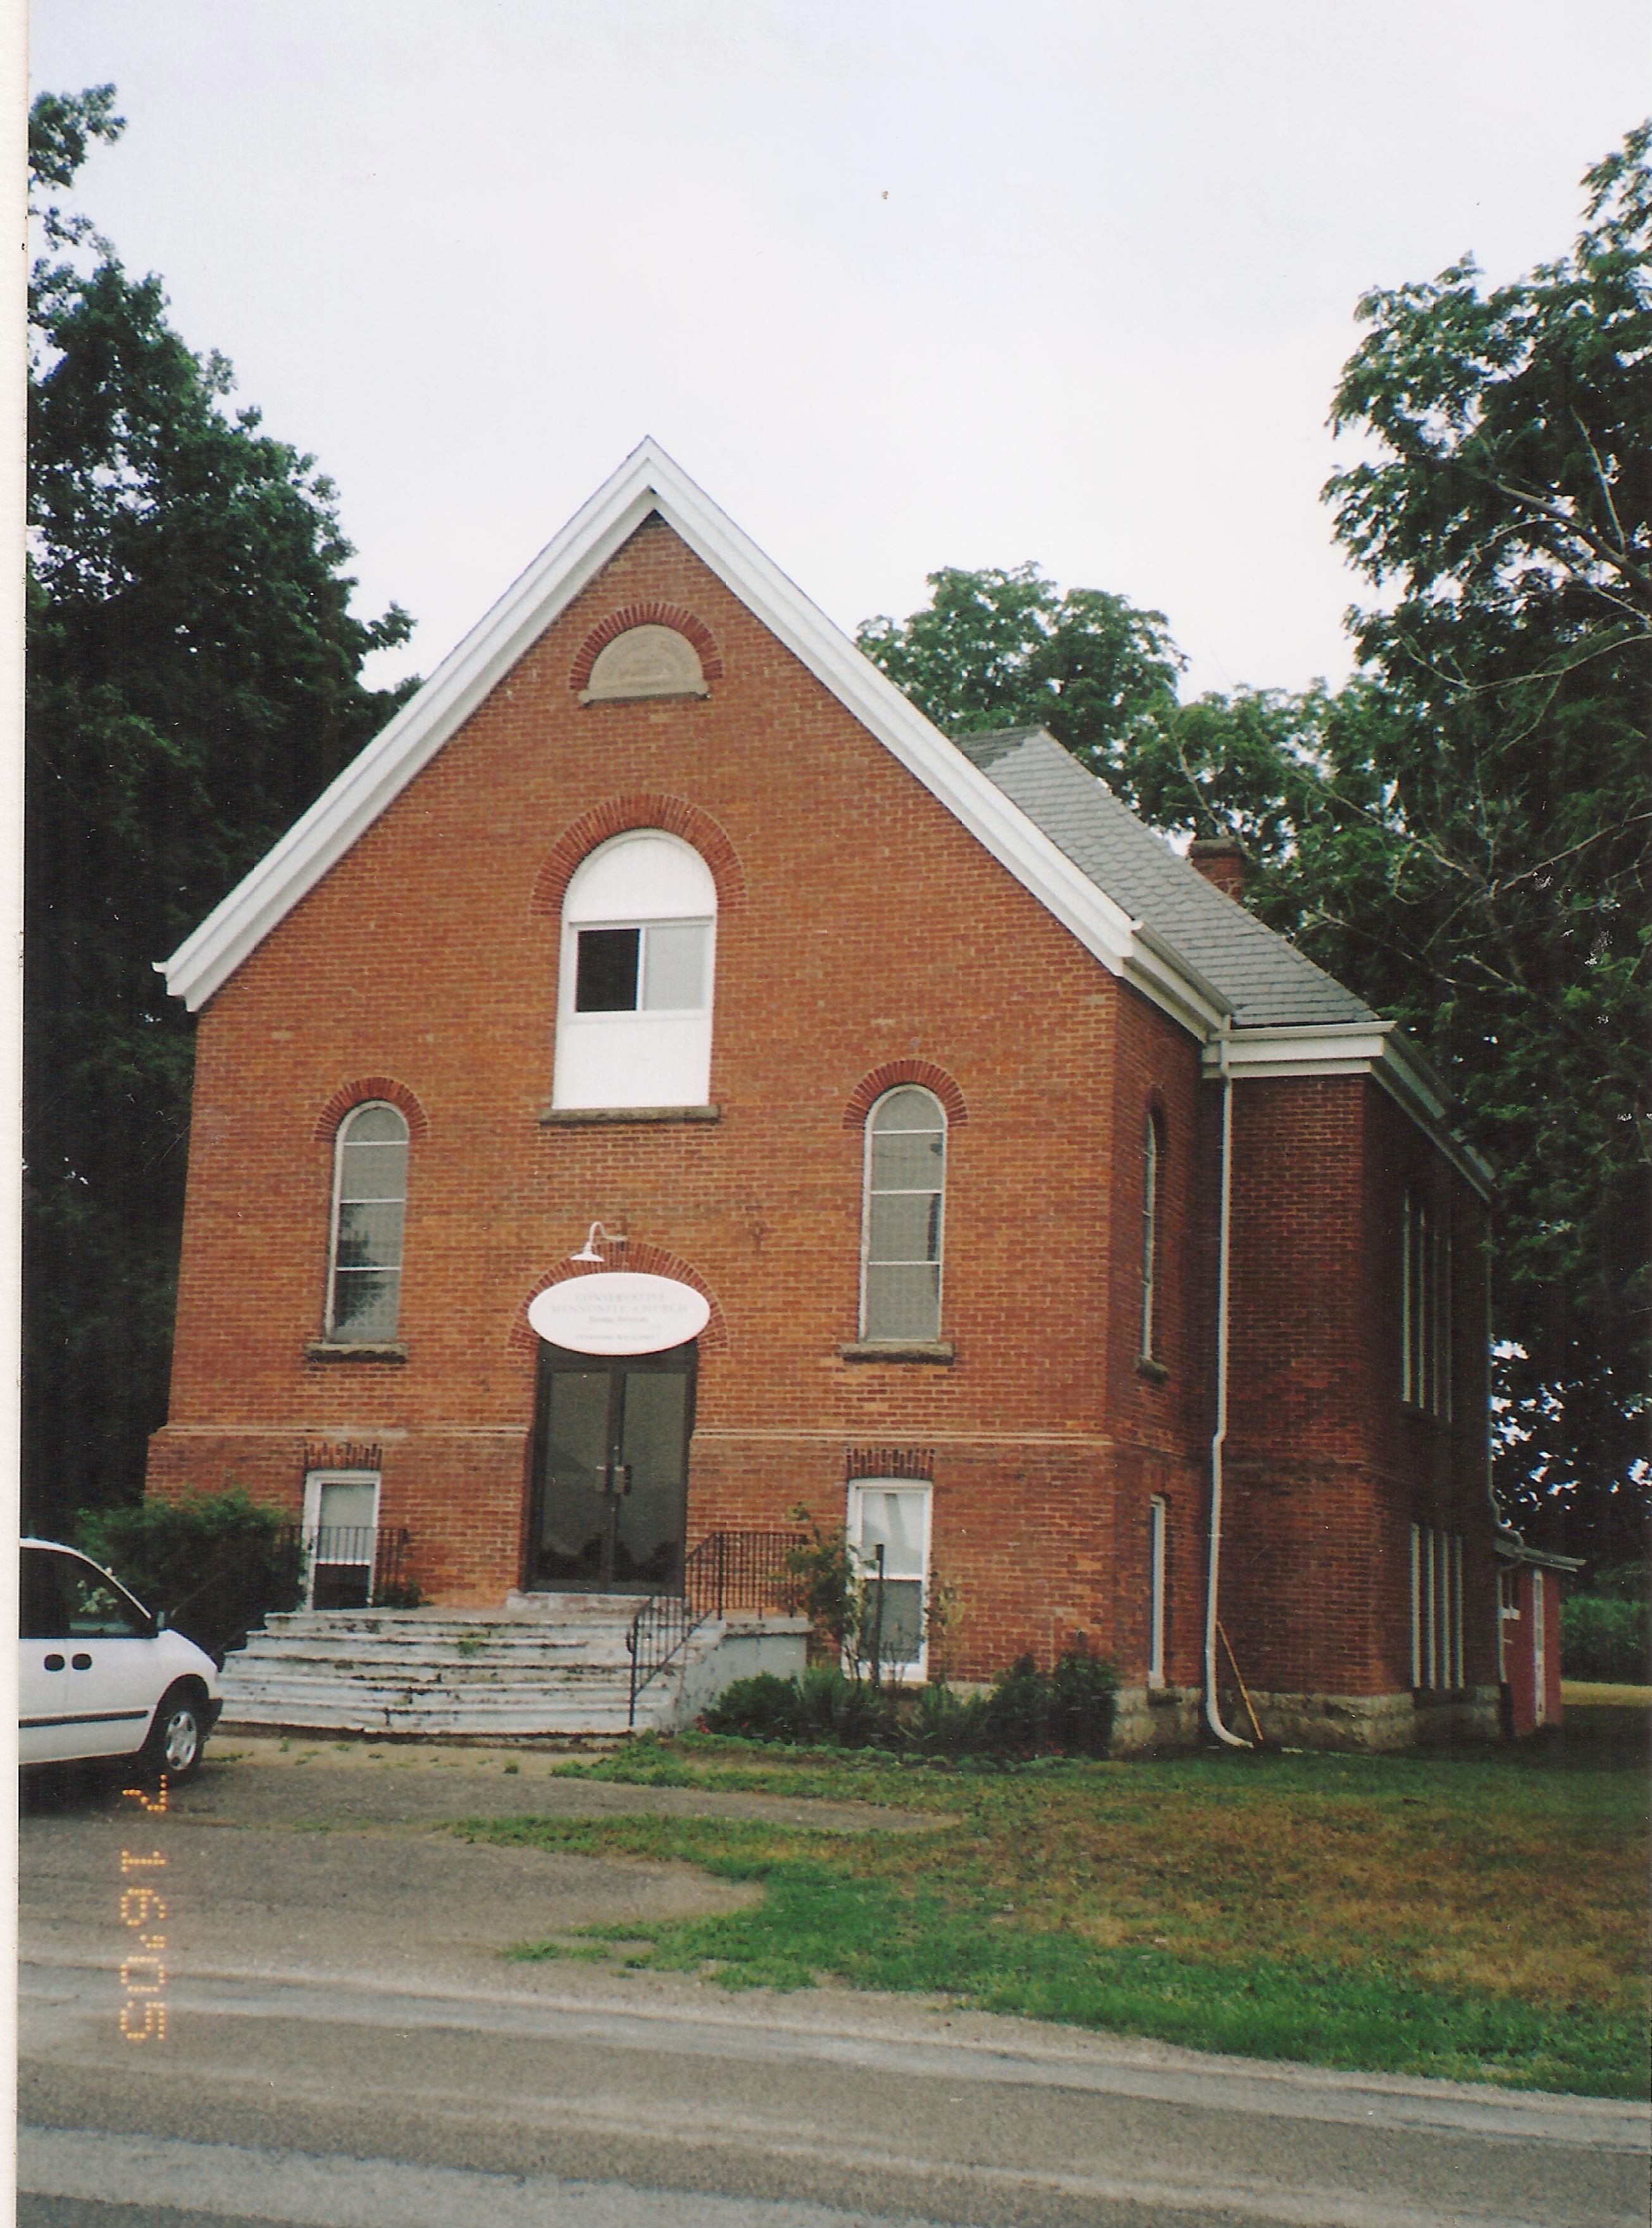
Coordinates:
901	283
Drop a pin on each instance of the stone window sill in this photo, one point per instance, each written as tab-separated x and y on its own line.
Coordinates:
575	1118
590	696
1154	1372
899	1349
334	1349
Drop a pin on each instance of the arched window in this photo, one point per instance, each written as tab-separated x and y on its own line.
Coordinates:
369	1206
634	1018
900	1226
1152	1156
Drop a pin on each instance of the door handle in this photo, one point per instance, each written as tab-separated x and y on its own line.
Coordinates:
621	1475
82	1662
53	1663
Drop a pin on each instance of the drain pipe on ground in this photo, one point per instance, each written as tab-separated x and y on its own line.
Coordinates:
1213	1700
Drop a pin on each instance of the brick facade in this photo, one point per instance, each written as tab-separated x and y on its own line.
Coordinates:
864	938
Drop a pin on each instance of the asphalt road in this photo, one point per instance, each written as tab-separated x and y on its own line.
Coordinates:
345	2047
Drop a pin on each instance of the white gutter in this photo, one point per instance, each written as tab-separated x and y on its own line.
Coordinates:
1212	1702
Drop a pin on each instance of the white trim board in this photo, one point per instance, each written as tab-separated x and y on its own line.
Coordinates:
1378	1049
649	482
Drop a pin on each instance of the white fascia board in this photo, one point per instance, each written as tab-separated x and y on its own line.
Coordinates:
649	481
1378	1049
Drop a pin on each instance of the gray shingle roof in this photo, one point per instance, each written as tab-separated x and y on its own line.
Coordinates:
1267	980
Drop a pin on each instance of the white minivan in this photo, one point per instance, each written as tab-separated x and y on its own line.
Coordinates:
99	1676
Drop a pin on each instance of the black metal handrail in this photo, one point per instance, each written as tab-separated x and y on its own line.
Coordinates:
342	1550
726	1571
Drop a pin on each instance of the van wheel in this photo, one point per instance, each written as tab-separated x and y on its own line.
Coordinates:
178	1735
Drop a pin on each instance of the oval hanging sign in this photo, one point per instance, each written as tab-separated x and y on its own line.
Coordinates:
619	1311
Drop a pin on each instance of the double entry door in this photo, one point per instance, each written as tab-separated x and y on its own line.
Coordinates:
611	1469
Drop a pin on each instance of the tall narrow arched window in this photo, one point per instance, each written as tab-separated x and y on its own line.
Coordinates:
370	1207
1151	1155
634	1012
901	1220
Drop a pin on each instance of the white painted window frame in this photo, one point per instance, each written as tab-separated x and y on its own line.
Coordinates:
1152	1155
314	1481
867	1333
910	1675
1437	1658
1158	1523
1539	1651
341	1140
659	1032
1426	1267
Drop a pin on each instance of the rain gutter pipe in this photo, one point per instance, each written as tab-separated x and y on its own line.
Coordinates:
1219	1436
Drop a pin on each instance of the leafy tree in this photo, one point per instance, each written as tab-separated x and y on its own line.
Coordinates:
1507	518
1461	833
193	681
1007	649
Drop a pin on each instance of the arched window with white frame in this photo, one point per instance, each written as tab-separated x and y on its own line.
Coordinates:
902	1218
370	1213
634	1007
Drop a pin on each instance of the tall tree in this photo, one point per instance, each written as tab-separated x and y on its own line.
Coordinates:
193	681
1461	833
1506	515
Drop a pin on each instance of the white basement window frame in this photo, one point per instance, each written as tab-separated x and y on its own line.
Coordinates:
340	1536
894	1514
1158	1524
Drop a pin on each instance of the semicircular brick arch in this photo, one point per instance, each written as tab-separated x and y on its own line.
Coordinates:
364	1088
622	815
893	1072
651	613
646	1260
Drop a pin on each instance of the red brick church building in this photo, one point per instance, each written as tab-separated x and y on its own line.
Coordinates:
1057	1227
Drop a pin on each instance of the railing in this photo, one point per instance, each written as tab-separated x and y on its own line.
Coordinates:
727	1570
346	1565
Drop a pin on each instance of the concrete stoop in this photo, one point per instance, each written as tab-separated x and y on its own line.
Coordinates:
556	1665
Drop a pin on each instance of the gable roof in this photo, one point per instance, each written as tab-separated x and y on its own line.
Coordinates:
1110	882
1265	980
647	483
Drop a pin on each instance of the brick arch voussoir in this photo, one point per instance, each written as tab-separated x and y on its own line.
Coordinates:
357	1094
871	1088
651	612
646	1260
622	815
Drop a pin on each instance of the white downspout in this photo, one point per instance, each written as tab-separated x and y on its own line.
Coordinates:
1213	1705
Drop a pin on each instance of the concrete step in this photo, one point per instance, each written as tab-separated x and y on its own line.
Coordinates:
535	1671
600	1645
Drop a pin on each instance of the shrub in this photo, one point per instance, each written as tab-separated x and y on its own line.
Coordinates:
217	1563
1603	1638
1084	1697
1029	1713
821	1708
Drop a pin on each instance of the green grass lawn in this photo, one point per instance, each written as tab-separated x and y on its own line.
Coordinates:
1480	1915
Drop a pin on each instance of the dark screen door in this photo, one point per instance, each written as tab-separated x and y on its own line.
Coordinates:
611	1464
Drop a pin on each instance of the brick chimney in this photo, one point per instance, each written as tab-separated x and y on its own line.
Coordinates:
1222	860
